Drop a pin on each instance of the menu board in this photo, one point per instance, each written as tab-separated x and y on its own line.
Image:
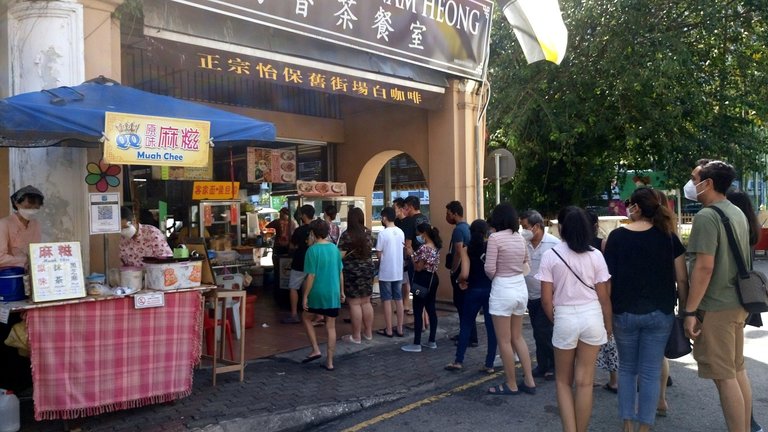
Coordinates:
313	188
271	166
56	271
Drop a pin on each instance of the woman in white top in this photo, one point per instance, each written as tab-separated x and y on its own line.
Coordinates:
506	258
575	296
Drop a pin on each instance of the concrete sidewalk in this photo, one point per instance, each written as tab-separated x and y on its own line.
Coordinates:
280	393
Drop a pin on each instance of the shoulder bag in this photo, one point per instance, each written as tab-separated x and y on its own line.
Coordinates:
751	286
419	290
678	344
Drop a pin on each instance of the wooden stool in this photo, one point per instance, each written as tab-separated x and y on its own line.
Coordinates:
219	298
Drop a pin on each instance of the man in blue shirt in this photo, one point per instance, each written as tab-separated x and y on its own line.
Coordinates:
454	215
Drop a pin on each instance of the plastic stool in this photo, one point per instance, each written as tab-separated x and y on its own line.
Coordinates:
210	333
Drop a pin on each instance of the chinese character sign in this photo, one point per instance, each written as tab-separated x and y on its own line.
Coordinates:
211	190
56	271
145	140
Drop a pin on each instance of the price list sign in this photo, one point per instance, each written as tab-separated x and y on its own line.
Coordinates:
56	271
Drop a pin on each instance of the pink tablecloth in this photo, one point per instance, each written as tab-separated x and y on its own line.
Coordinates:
96	357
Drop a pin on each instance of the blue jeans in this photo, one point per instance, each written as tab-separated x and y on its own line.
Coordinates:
474	299
641	340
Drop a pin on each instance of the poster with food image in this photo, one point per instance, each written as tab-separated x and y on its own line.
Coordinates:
313	188
272	166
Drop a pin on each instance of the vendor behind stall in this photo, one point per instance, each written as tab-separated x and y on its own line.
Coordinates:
139	240
17	231
20	229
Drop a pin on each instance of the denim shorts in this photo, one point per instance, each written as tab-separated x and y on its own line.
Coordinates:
579	323
391	290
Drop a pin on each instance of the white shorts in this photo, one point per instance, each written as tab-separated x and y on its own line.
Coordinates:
579	323
296	279
509	296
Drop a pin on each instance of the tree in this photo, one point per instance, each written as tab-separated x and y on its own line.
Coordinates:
646	84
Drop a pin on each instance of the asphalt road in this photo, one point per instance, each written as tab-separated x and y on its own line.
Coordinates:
693	402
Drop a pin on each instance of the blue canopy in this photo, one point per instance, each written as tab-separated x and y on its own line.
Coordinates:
74	116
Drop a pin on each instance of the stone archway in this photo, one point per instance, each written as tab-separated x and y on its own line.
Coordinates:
367	178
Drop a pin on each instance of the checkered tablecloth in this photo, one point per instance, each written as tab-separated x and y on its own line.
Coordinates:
96	357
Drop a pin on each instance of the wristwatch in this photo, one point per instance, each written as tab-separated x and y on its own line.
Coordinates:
685	313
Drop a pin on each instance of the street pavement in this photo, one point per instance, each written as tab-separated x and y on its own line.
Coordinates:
410	389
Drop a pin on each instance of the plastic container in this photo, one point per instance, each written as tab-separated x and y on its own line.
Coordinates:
12	284
10	419
131	277
168	276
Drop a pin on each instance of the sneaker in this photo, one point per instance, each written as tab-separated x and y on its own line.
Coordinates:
411	348
432	345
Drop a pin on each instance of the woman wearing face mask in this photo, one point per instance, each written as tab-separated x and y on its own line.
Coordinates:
138	240
20	229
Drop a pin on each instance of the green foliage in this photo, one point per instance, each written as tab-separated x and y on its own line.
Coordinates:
645	84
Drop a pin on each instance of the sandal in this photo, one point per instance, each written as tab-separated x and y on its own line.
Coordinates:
350	339
487	370
608	387
383	332
503	389
454	367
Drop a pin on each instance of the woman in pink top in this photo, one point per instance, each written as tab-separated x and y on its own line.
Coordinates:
20	229
574	295
506	258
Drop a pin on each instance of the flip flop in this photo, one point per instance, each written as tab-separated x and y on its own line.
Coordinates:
383	332
487	370
503	389
400	334
327	368
608	387
350	339
454	367
661	412
310	358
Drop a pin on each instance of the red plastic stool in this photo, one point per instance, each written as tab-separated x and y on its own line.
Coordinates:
209	326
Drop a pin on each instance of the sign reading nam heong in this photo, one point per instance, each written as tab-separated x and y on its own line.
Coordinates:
448	35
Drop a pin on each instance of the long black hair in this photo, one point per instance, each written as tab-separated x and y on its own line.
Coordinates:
742	201
478	234
575	229
359	240
432	232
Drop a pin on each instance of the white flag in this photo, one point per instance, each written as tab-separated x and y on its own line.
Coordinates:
539	27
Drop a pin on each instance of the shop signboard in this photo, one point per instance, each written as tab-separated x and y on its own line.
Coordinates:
56	271
105	213
204	190
271	166
447	35
133	139
184	173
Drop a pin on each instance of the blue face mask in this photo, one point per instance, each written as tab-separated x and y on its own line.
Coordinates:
420	239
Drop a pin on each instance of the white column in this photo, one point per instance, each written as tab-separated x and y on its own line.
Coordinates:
45	46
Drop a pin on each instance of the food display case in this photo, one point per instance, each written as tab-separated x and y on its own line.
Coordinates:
219	221
343	205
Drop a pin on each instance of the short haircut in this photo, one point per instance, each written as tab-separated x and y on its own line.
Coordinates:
307	210
126	213
533	218
575	229
721	174
331	211
29	193
413	201
398	202
456	208
319	228
389	213
504	217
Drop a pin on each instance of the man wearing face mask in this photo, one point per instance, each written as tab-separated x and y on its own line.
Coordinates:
538	242
714	317
139	240
20	229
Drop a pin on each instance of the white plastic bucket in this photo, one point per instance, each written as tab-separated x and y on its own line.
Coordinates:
131	277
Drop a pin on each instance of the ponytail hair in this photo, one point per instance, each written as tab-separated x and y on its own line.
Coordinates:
432	232
649	205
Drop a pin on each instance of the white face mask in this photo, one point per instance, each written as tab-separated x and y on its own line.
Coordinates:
630	212
527	234
27	213
689	190
128	232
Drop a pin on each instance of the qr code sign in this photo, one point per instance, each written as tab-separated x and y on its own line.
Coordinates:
104	212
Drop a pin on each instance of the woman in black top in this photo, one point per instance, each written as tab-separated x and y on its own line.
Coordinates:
645	258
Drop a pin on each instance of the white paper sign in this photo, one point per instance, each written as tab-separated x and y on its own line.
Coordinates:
104	213
5	311
56	271
149	300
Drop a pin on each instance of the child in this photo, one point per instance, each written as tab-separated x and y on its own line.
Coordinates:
324	292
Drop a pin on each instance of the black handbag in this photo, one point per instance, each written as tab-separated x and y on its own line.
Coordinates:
752	286
678	344
419	290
